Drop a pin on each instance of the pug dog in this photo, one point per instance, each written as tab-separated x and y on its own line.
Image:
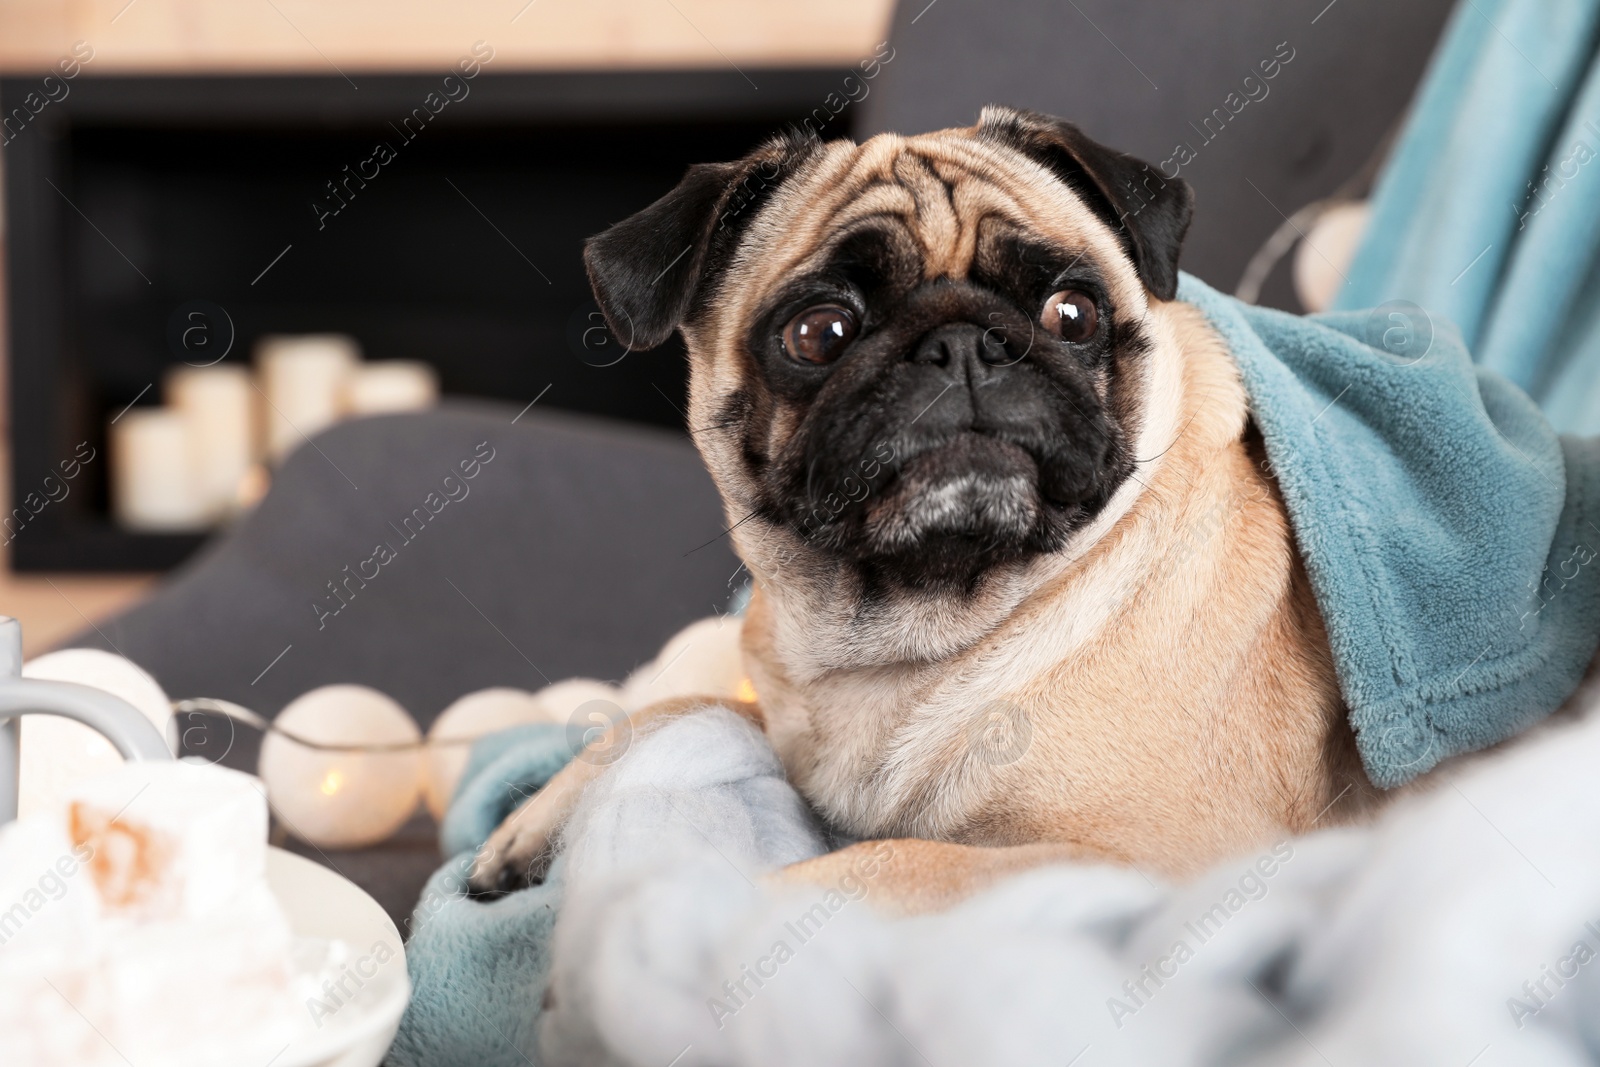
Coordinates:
986	473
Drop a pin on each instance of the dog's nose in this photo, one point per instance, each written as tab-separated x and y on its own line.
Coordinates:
963	345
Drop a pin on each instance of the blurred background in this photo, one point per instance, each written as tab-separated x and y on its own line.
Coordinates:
185	181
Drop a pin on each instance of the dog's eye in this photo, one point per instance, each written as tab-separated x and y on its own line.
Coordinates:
819	334
1070	315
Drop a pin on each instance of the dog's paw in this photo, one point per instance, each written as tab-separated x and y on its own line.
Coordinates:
519	852
499	878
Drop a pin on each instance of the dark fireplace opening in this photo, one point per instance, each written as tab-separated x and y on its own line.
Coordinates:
154	221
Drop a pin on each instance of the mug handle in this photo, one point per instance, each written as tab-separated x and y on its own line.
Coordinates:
134	736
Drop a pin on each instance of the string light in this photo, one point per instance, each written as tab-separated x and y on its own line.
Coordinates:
344	765
358	779
345	774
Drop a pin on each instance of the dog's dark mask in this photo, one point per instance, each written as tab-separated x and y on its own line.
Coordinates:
946	425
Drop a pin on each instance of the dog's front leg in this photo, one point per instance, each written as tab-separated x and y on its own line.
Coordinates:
907	876
519	851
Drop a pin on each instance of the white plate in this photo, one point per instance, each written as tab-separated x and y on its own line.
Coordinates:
355	1025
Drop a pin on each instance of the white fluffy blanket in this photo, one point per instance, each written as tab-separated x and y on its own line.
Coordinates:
1462	929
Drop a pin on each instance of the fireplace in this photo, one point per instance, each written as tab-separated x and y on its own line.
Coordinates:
157	220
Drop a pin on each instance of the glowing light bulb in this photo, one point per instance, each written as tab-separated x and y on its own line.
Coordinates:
702	659
488	711
343	797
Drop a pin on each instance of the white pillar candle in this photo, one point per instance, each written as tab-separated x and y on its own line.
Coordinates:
154	487
392	385
303	381
219	403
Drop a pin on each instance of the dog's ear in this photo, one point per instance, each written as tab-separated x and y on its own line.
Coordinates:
1149	212
648	270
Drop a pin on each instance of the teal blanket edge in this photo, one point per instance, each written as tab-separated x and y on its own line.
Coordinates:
490	956
1449	534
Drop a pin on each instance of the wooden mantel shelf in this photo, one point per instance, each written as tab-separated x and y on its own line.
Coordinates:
321	36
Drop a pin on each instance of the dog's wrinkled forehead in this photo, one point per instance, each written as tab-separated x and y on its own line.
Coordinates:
942	205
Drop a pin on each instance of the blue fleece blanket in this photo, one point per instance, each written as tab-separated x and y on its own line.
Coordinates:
1488	212
479	970
1449	534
